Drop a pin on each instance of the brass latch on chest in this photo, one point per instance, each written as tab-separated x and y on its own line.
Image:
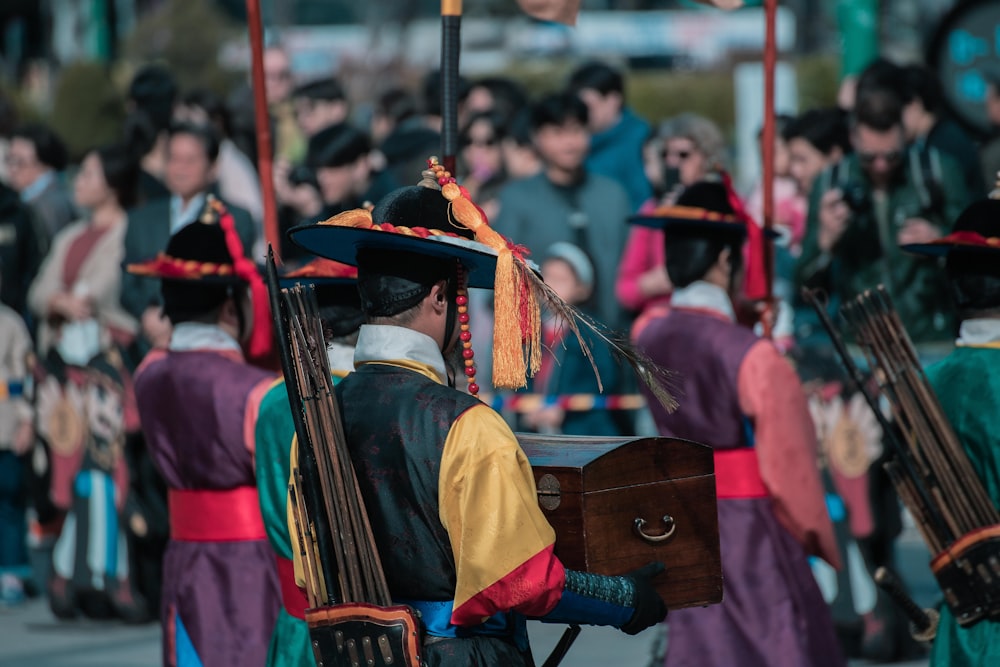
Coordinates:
549	492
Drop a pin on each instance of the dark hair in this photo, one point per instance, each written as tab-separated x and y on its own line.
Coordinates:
139	132
690	255
326	90
49	148
881	75
921	84
213	106
975	282
495	123
8	114
432	92
519	127
203	133
824	129
154	90
879	110
597	76
337	146
508	95
397	104
120	172
558	109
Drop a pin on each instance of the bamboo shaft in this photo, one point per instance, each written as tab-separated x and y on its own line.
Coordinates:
934	477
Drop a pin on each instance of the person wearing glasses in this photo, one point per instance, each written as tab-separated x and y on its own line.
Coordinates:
881	197
692	148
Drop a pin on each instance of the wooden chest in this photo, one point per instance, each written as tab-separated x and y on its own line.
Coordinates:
617	504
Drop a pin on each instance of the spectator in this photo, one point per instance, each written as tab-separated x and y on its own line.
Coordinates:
692	148
77	294
8	123
35	158
520	158
926	125
402	138
496	94
617	134
21	250
339	156
151	97
16	437
874	200
567	370
816	140
989	154
289	144
237	178
789	203
565	202
320	104
192	152
481	159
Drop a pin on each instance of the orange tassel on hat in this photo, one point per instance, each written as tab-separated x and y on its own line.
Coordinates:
517	327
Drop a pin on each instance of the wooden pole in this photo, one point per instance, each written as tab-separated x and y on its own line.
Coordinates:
767	154
262	122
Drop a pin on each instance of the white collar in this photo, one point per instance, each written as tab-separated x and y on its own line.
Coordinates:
704	296
979	331
341	357
182	215
189	336
383	342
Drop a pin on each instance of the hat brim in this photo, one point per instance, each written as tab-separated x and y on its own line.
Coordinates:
663	223
156	269
341	244
939	250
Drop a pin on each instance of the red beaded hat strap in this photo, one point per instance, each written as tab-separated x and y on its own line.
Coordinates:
465	335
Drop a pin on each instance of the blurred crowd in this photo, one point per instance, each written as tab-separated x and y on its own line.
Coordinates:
82	509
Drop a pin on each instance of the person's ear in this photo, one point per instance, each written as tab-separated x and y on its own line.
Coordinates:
723	262
439	296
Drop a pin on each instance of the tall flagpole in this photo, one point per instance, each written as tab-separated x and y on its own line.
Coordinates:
262	121
768	136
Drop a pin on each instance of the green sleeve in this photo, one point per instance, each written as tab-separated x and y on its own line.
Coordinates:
274	432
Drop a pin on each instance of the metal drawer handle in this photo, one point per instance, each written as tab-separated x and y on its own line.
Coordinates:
668	521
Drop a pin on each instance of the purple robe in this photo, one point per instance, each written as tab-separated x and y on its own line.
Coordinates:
772	613
220	598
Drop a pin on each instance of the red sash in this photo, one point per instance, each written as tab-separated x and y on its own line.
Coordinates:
232	515
737	474
293	597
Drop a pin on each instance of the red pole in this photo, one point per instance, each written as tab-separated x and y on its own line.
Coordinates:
767	139
262	120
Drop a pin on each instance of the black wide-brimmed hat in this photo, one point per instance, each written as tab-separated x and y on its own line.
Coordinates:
336	288
414	219
201	265
418	235
712	209
976	233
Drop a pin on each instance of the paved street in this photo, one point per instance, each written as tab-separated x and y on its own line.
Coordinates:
31	637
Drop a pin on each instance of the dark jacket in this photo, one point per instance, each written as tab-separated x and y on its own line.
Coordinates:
20	250
861	259
617	153
53	209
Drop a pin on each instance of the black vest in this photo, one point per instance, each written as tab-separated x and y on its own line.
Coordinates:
396	422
